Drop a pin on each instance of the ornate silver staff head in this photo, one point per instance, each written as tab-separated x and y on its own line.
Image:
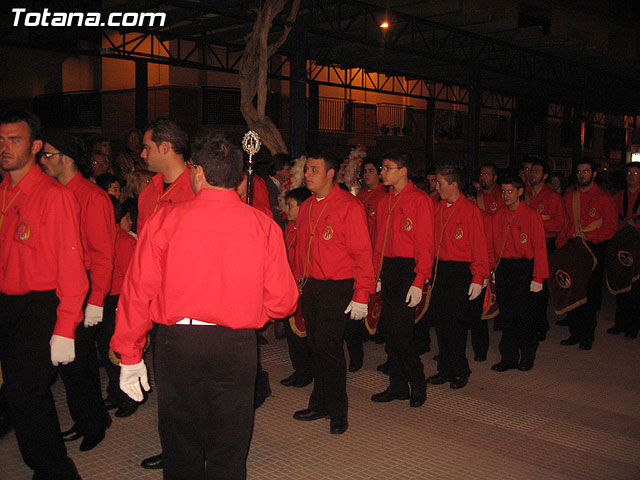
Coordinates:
251	144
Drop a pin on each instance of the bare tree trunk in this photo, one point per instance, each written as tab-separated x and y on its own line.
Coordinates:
253	66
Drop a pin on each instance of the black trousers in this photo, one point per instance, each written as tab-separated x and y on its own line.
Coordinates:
405	367
542	299
513	280
449	301
26	325
627	315
299	352
205	376
323	303
354	339
479	328
582	321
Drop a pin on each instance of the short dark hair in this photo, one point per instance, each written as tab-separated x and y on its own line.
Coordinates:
164	129
372	161
278	162
32	121
451	173
490	165
221	161
542	163
330	161
470	191
105	180
120	210
632	165
299	194
72	146
401	159
512	179
590	161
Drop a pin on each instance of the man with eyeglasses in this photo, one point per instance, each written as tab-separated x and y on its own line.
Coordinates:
100	164
627	317
402	259
489	198
591	215
548	204
43	284
62	158
372	192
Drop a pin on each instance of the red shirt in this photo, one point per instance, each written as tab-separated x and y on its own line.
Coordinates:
549	205
595	205
340	246
260	196
410	232
98	233
435	197
491	202
153	197
487	223
524	239
290	237
213	259
619	201
41	245
460	233
125	246
370	199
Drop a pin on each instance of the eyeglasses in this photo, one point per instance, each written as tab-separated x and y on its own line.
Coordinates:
191	164
386	168
586	170
48	155
633	173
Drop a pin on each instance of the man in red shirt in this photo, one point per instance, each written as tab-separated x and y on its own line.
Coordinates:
591	215
432	186
520	246
403	256
165	148
207	272
548	204
43	284
489	198
627	202
372	192
462	264
335	276
61	157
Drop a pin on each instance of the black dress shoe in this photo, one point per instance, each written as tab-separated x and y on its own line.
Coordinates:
569	341
389	395
503	367
308	415
525	366
615	330
355	364
71	434
111	405
127	410
383	367
480	358
338	425
152	463
302	382
289	381
5	422
458	382
439	379
585	345
418	397
91	441
631	335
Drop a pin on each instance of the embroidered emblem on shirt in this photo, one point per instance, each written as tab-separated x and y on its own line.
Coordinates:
328	233
494	206
563	278
625	258
458	234
540	208
592	212
371	211
23	232
408	224
523	238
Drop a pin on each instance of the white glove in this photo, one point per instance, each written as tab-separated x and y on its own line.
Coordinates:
92	315
535	287
474	291
414	295
63	350
485	282
378	286
358	310
131	377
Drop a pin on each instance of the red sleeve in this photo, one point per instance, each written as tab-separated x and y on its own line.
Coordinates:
554	217
610	220
146	204
100	235
479	257
539	244
567	228
423	242
261	196
378	237
71	281
359	249
280	291
487	223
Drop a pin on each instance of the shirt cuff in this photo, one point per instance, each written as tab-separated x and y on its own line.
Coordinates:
419	281
361	296
477	280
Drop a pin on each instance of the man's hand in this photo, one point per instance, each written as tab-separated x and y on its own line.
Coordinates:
485	282
131	377
378	286
63	350
474	291
535	287
414	295
358	310
92	315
